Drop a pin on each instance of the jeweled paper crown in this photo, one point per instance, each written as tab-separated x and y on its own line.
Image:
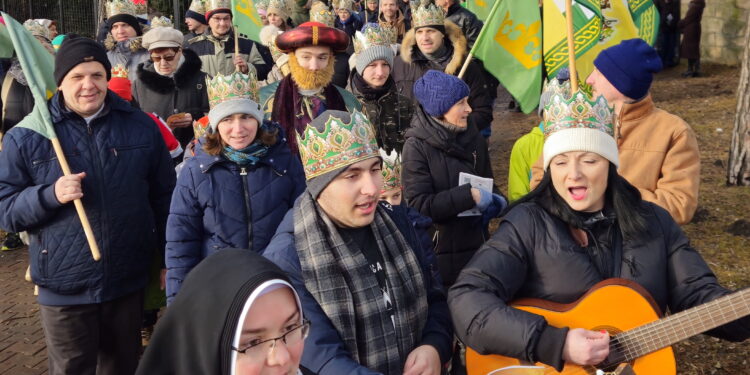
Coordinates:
161	22
391	170
198	6
233	86
343	4
141	6
319	12
120	7
212	5
37	29
373	35
119	71
281	7
427	14
261	6
577	111
339	145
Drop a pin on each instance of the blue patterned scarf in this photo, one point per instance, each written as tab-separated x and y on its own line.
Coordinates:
247	156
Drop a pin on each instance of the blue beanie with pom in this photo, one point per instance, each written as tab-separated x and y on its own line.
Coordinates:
437	92
629	67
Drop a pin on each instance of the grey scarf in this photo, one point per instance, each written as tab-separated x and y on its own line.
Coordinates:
340	280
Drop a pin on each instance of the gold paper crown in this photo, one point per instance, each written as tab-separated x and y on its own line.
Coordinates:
218	4
142	7
391	170
280	7
340	144
120	7
119	71
577	111
319	12
234	86
261	5
343	4
161	22
37	29
427	14
198	6
373	35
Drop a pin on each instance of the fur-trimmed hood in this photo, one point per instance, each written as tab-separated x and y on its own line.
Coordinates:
164	84
410	52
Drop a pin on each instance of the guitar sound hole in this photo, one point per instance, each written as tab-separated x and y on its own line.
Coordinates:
616	355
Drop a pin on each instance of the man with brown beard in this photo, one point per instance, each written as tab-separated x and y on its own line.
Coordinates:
307	91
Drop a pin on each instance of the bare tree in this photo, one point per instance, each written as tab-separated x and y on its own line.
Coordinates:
738	172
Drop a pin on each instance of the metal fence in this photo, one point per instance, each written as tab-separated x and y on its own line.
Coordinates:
82	17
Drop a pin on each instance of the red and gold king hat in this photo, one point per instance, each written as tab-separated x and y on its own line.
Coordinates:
312	34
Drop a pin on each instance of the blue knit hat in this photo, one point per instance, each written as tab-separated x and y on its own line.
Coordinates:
437	92
629	67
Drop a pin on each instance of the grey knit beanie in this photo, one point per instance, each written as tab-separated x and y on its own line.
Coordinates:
233	106
373	53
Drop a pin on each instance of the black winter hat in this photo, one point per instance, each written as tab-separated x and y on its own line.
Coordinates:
127	18
76	50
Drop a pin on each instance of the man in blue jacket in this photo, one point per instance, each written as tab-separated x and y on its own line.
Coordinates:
90	310
366	284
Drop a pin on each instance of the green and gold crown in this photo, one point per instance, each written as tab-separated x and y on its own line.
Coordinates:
319	12
281	7
161	22
343	4
212	5
234	86
141	7
373	35
198	6
120	7
37	29
261	6
577	111
391	170
426	14
340	144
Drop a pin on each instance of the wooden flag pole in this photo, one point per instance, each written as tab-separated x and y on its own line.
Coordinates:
79	205
236	45
571	46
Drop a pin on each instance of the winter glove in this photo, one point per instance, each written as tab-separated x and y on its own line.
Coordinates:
494	209
485	200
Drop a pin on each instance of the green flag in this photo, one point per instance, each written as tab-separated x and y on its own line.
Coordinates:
510	45
646	18
246	17
481	8
38	67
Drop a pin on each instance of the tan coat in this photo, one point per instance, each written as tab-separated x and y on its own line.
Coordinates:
658	155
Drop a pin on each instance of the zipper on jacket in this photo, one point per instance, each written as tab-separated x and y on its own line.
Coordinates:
104	219
248	211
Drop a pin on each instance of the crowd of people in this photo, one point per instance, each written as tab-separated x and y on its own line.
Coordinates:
319	202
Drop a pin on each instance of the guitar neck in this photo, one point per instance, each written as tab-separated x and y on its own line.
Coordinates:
665	332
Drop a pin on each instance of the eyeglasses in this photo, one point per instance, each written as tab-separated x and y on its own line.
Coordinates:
158	59
258	351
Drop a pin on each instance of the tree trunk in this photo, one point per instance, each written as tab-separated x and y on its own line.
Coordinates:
738	171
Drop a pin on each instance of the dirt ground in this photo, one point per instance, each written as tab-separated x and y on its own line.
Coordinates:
708	104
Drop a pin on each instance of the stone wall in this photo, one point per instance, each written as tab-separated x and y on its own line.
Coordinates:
723	30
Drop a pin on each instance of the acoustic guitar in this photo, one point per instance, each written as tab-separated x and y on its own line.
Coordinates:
627	311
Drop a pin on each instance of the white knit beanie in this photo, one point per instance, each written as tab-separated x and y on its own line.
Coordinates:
578	124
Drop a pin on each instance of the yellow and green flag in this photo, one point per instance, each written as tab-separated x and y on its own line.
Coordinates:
481	8
246	18
510	45
38	67
587	25
646	18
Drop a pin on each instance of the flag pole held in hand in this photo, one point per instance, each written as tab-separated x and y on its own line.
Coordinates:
38	65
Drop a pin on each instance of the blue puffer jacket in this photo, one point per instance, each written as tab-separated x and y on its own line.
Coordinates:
325	352
213	200
126	193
